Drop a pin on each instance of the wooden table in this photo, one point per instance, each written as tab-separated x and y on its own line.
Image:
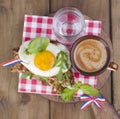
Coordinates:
14	105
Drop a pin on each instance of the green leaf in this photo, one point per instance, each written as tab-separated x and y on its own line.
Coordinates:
60	75
67	78
67	94
62	63
30	75
44	79
77	86
88	89
27	74
37	45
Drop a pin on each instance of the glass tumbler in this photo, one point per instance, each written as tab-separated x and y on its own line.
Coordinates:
68	24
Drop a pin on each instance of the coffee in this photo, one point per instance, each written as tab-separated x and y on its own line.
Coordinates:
90	55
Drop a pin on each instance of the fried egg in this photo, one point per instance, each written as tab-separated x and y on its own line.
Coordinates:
42	63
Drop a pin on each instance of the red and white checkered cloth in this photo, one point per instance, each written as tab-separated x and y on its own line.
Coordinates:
42	26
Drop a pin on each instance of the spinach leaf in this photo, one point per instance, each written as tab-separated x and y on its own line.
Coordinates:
37	45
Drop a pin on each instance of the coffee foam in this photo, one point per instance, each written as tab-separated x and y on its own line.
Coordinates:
90	55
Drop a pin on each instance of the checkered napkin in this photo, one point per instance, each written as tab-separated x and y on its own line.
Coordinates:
42	26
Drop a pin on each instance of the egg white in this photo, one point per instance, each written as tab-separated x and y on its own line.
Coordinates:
28	60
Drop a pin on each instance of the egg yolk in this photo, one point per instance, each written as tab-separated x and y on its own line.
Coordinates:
44	60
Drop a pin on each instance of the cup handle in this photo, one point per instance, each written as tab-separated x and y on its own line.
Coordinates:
113	66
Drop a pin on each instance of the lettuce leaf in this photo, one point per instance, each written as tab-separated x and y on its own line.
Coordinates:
37	45
88	89
68	93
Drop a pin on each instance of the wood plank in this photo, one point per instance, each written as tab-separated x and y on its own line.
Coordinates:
115	6
70	111
14	105
98	10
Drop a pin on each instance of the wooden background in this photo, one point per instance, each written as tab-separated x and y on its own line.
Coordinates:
14	105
